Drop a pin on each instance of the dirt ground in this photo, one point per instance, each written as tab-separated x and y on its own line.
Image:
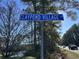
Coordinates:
71	55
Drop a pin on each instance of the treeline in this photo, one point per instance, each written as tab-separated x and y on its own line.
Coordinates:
71	36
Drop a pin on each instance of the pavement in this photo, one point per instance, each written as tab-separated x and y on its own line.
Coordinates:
66	48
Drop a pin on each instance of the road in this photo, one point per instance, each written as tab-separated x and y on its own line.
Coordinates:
75	51
70	54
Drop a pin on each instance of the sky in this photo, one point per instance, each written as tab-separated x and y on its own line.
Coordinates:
66	23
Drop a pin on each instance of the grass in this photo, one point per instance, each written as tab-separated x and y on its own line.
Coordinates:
70	55
29	57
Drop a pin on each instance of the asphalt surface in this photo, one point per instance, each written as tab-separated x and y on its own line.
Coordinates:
75	51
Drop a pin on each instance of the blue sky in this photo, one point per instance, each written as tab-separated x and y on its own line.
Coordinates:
66	24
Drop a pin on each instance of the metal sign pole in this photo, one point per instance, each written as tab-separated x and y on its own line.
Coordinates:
42	40
42	31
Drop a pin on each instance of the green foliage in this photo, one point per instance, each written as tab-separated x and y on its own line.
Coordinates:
71	36
52	6
51	35
51	27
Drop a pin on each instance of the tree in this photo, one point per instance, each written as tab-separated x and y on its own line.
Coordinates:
71	36
12	31
49	26
51	6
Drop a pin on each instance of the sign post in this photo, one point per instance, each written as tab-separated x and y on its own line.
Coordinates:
41	18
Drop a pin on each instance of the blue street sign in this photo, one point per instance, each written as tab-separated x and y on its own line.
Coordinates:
41	17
